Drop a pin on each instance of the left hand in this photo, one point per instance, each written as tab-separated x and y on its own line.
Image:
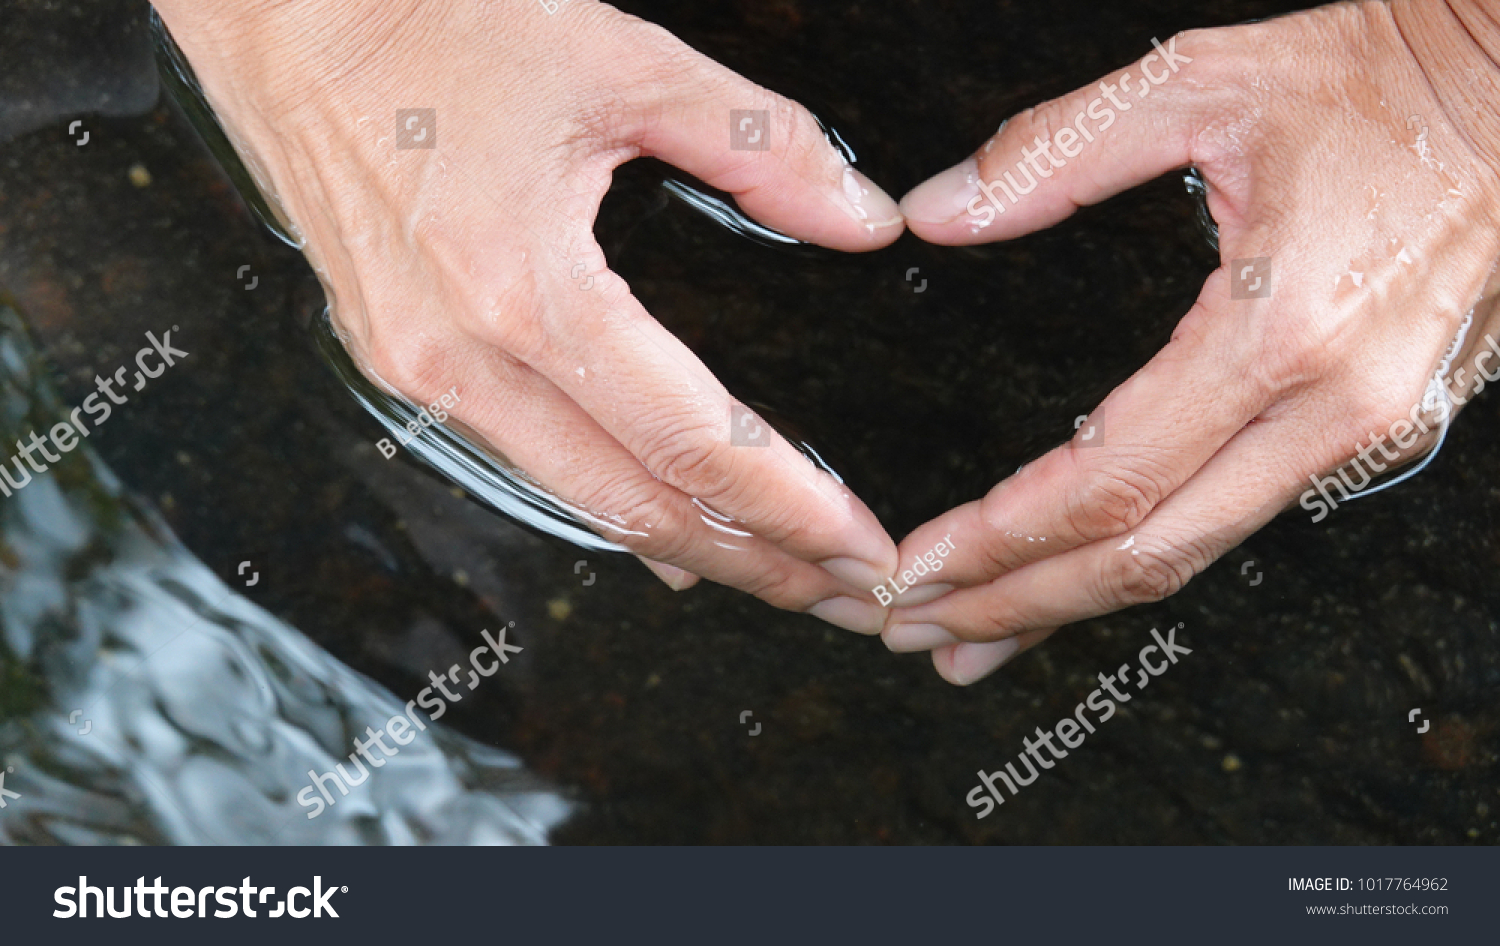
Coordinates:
1382	239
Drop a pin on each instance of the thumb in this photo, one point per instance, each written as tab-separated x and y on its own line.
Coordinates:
769	152
1072	152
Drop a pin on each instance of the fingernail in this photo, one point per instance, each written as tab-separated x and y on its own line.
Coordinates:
942	198
973	662
868	204
909	638
675	578
853	571
861	617
921	594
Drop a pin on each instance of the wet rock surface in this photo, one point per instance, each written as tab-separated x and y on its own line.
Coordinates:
1287	724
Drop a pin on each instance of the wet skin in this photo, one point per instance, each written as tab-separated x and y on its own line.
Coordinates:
1381	254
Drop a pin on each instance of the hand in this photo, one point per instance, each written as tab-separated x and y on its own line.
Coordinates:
1355	147
472	264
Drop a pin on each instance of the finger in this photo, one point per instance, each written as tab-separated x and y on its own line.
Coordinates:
650	393
1147	438
673	577
535	426
963	664
1048	161
1246	484
766	150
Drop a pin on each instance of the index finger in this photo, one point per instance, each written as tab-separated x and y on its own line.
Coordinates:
653	395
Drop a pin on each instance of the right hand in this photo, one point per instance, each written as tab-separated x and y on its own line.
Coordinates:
459	265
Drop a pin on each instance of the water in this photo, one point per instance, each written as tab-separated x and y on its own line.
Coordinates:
146	703
1289	723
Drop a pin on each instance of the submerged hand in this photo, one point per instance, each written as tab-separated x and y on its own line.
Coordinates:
1351	155
456	249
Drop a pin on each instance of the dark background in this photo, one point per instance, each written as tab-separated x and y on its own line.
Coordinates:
1288	723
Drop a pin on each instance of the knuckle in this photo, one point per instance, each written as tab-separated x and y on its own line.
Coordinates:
657	41
1289	368
1371	416
693	457
1371	412
1112	502
651	524
792	520
1294	361
1215	54
778	584
1038	123
1016	132
805	146
416	366
510	320
1198	44
656	524
1044	120
504	309
1000	553
995	622
1147	574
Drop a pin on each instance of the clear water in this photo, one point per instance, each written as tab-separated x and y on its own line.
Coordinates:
146	703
